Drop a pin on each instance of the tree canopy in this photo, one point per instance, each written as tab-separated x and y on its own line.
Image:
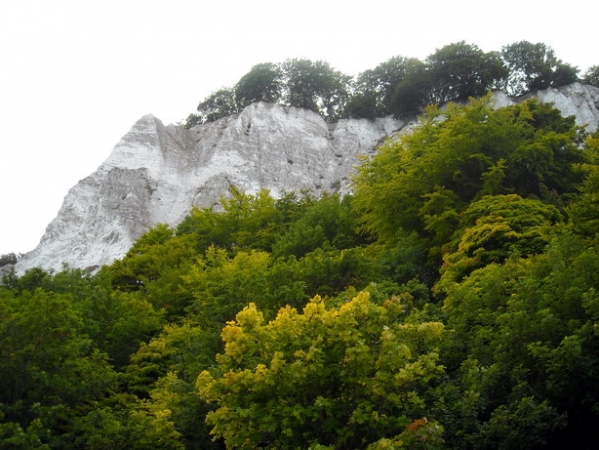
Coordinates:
535	66
591	76
345	377
400	86
461	154
263	83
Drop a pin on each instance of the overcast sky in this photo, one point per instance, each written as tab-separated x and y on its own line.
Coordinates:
76	74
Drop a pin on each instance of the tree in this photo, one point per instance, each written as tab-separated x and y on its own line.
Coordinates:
462	153
223	286
362	105
328	223
51	372
584	211
524	348
191	121
411	95
263	83
8	258
164	372
316	86
217	105
379	85
460	70
244	222
591	76
535	66
494	228
346	377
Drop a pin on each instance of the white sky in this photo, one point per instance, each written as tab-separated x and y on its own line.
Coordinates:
76	74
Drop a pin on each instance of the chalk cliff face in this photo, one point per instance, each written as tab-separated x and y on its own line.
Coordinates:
156	172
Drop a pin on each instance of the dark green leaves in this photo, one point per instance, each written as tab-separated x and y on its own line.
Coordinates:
535	66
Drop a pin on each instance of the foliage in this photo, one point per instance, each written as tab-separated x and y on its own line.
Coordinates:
591	76
244	222
217	105
584	213
316	86
191	121
525	328
328	223
459	71
496	227
400	86
460	155
535	66
345	377
263	83
8	258
362	105
375	89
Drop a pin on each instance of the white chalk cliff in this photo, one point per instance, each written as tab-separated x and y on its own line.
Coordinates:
156	172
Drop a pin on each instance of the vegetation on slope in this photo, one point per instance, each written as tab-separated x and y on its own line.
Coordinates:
450	303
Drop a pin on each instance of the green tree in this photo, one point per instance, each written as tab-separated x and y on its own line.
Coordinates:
411	95
263	83
164	370
535	66
375	89
522	341
51	373
121	422
362	105
460	70
191	121
591	76
325	378
584	212
222	286
494	228
217	105
316	86
457	156
8	258
328	223
244	222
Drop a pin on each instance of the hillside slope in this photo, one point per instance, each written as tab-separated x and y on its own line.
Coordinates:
157	172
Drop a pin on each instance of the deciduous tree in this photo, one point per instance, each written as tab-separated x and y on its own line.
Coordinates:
263	83
535	66
346	377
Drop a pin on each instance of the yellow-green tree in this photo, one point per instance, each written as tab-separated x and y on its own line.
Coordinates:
345	377
461	154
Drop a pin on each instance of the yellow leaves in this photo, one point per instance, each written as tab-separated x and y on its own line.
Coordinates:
277	362
322	369
203	382
315	308
359	305
312	355
250	317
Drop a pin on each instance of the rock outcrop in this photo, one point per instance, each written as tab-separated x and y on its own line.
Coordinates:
156	172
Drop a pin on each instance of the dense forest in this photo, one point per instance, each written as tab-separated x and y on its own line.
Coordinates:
401	86
451	302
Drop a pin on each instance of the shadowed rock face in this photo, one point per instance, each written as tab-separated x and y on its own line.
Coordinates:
156	172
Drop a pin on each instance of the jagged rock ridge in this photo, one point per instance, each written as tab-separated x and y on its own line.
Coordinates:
156	172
